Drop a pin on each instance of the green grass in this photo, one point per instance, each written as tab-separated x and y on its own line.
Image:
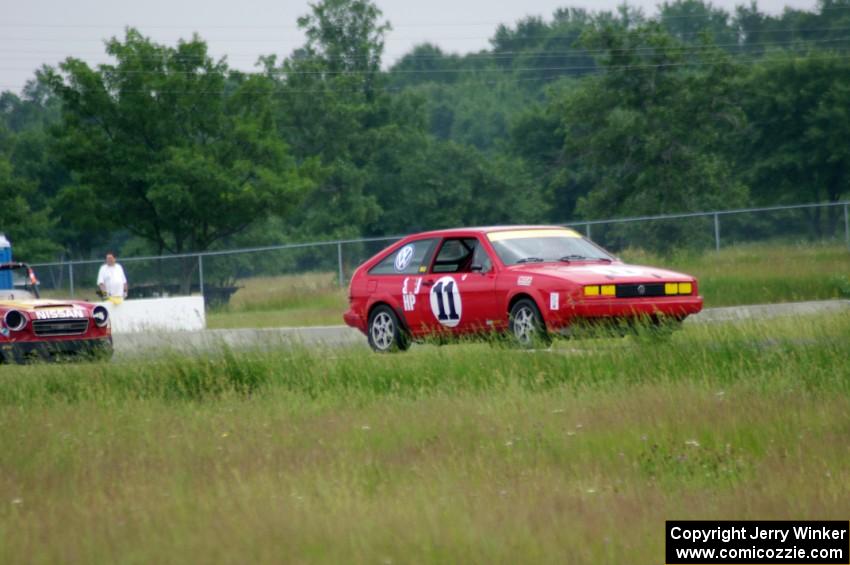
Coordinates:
466	453
744	274
313	299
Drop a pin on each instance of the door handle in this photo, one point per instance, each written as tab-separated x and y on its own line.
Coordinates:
427	283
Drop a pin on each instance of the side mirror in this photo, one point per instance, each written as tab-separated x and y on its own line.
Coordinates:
475	267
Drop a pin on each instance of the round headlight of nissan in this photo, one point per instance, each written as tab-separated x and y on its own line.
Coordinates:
100	315
15	320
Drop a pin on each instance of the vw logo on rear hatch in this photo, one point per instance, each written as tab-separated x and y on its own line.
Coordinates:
641	289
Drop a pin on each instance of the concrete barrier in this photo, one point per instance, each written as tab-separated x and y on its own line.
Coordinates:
157	315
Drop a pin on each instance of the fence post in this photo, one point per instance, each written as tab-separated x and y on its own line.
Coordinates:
71	272
339	260
717	232
587	229
846	225
201	273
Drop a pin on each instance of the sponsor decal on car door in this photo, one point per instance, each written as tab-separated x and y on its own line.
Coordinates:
409	290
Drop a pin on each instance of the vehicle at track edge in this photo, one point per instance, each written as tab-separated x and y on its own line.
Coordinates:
32	328
530	282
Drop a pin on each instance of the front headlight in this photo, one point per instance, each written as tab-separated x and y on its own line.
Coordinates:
678	288
15	320
601	290
100	315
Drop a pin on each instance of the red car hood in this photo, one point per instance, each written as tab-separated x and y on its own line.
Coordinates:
600	273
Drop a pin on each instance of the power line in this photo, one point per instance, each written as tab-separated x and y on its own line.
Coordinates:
544	53
285	72
427	39
684	48
586	70
695	33
553	22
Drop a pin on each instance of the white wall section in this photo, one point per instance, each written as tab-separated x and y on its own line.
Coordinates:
185	313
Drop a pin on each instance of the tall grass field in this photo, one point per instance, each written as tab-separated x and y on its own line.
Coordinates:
743	274
472	453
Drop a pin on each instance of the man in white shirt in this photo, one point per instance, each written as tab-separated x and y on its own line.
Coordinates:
111	279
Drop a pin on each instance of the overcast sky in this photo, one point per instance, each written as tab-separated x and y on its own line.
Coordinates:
34	32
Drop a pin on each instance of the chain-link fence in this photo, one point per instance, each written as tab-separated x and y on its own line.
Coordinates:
706	230
219	274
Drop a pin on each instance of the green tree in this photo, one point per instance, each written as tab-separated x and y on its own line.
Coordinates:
825	26
326	119
27	229
688	20
346	36
426	183
800	121
30	118
475	111
428	63
652	135
25	214
537	138
330	100
172	146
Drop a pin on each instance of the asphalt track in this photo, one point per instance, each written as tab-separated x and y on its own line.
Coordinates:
146	344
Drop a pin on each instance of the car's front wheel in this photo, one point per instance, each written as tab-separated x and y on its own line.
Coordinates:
526	324
385	331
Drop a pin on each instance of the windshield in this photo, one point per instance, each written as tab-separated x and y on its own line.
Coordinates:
19	278
545	245
18	275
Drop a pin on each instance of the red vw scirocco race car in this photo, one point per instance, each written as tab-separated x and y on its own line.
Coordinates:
31	328
530	281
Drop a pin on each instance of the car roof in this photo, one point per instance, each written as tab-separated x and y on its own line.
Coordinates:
484	230
12	265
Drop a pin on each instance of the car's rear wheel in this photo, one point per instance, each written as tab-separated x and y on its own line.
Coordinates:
526	324
385	332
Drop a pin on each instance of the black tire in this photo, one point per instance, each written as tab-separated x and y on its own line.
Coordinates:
526	325
384	331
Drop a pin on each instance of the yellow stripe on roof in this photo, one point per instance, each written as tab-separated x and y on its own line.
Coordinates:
525	234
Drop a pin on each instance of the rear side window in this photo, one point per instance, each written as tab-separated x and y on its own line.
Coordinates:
409	259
